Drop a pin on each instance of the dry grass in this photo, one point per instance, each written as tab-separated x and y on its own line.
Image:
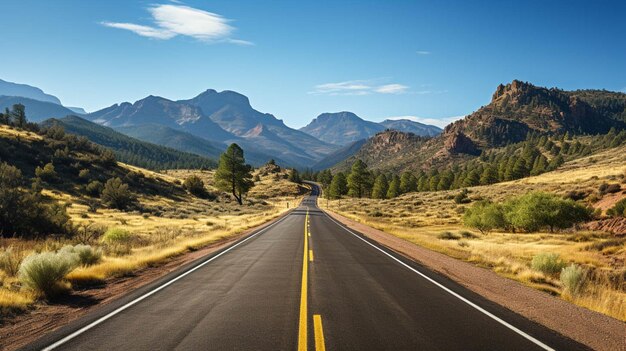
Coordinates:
422	218
168	227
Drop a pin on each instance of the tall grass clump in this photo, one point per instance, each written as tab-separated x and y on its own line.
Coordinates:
87	255
548	263
573	278
118	241
45	272
10	260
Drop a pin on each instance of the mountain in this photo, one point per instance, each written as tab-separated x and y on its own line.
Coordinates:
339	155
183	141
517	109
406	125
130	150
344	128
27	91
78	110
36	110
223	117
341	128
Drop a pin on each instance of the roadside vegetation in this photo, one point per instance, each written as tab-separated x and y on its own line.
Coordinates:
73	218
558	232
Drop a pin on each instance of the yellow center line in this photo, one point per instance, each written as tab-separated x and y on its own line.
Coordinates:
320	345
302	333
311	255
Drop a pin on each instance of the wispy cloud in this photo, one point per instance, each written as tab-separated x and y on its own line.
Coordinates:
171	20
358	87
439	122
423	52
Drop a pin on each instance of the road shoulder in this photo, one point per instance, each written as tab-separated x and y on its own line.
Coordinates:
590	328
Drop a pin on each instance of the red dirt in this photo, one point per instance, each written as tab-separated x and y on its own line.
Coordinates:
590	328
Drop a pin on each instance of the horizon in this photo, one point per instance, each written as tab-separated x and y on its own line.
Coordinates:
425	62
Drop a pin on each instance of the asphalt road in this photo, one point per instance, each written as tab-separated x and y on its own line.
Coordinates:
304	283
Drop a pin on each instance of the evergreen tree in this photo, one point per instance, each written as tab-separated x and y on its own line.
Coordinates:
338	186
394	187
379	191
233	174
489	176
408	183
358	180
472	179
18	115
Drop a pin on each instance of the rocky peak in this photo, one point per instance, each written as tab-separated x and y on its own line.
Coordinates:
515	88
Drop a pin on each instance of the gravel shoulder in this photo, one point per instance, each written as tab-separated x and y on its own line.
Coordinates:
590	328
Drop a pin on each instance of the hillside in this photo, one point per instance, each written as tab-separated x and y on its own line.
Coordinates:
26	91
408	126
517	110
130	150
37	110
340	155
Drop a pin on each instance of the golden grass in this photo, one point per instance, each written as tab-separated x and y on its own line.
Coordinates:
179	226
420	217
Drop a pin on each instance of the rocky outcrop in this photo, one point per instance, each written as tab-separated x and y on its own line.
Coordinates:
459	143
616	226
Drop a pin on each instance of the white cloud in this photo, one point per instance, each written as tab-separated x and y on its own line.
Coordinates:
439	122
392	89
423	52
357	87
173	20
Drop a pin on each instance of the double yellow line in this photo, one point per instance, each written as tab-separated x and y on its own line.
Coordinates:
304	316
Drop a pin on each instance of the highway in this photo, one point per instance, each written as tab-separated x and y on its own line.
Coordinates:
304	283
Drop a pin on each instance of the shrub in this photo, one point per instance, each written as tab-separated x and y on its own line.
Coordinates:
573	279
83	174
448	236
194	185
484	216
10	260
468	235
461	198
94	188
609	188
618	210
117	236
87	255
47	173
44	272
537	210
117	195
548	263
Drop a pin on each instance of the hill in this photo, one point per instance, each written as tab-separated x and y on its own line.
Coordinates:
26	91
131	150
37	110
516	111
340	155
408	126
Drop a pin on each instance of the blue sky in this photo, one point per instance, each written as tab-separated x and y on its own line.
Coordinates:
294	59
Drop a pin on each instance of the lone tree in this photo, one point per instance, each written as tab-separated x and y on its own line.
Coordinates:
233	174
338	186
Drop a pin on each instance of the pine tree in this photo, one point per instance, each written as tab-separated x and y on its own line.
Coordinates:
18	115
358	180
233	174
489	176
338	186
379	191
394	187
472	179
408	183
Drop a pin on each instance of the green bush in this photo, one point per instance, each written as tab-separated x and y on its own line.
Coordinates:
47	173
548	263
10	260
94	188
87	255
194	185
537	210
448	236
117	195
484	216
44	272
573	278
117	236
618	210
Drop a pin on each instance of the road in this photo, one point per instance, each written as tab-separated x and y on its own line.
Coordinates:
304	283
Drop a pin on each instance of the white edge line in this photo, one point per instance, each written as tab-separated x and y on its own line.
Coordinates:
150	293
489	314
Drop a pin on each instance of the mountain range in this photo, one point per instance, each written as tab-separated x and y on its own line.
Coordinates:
344	128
